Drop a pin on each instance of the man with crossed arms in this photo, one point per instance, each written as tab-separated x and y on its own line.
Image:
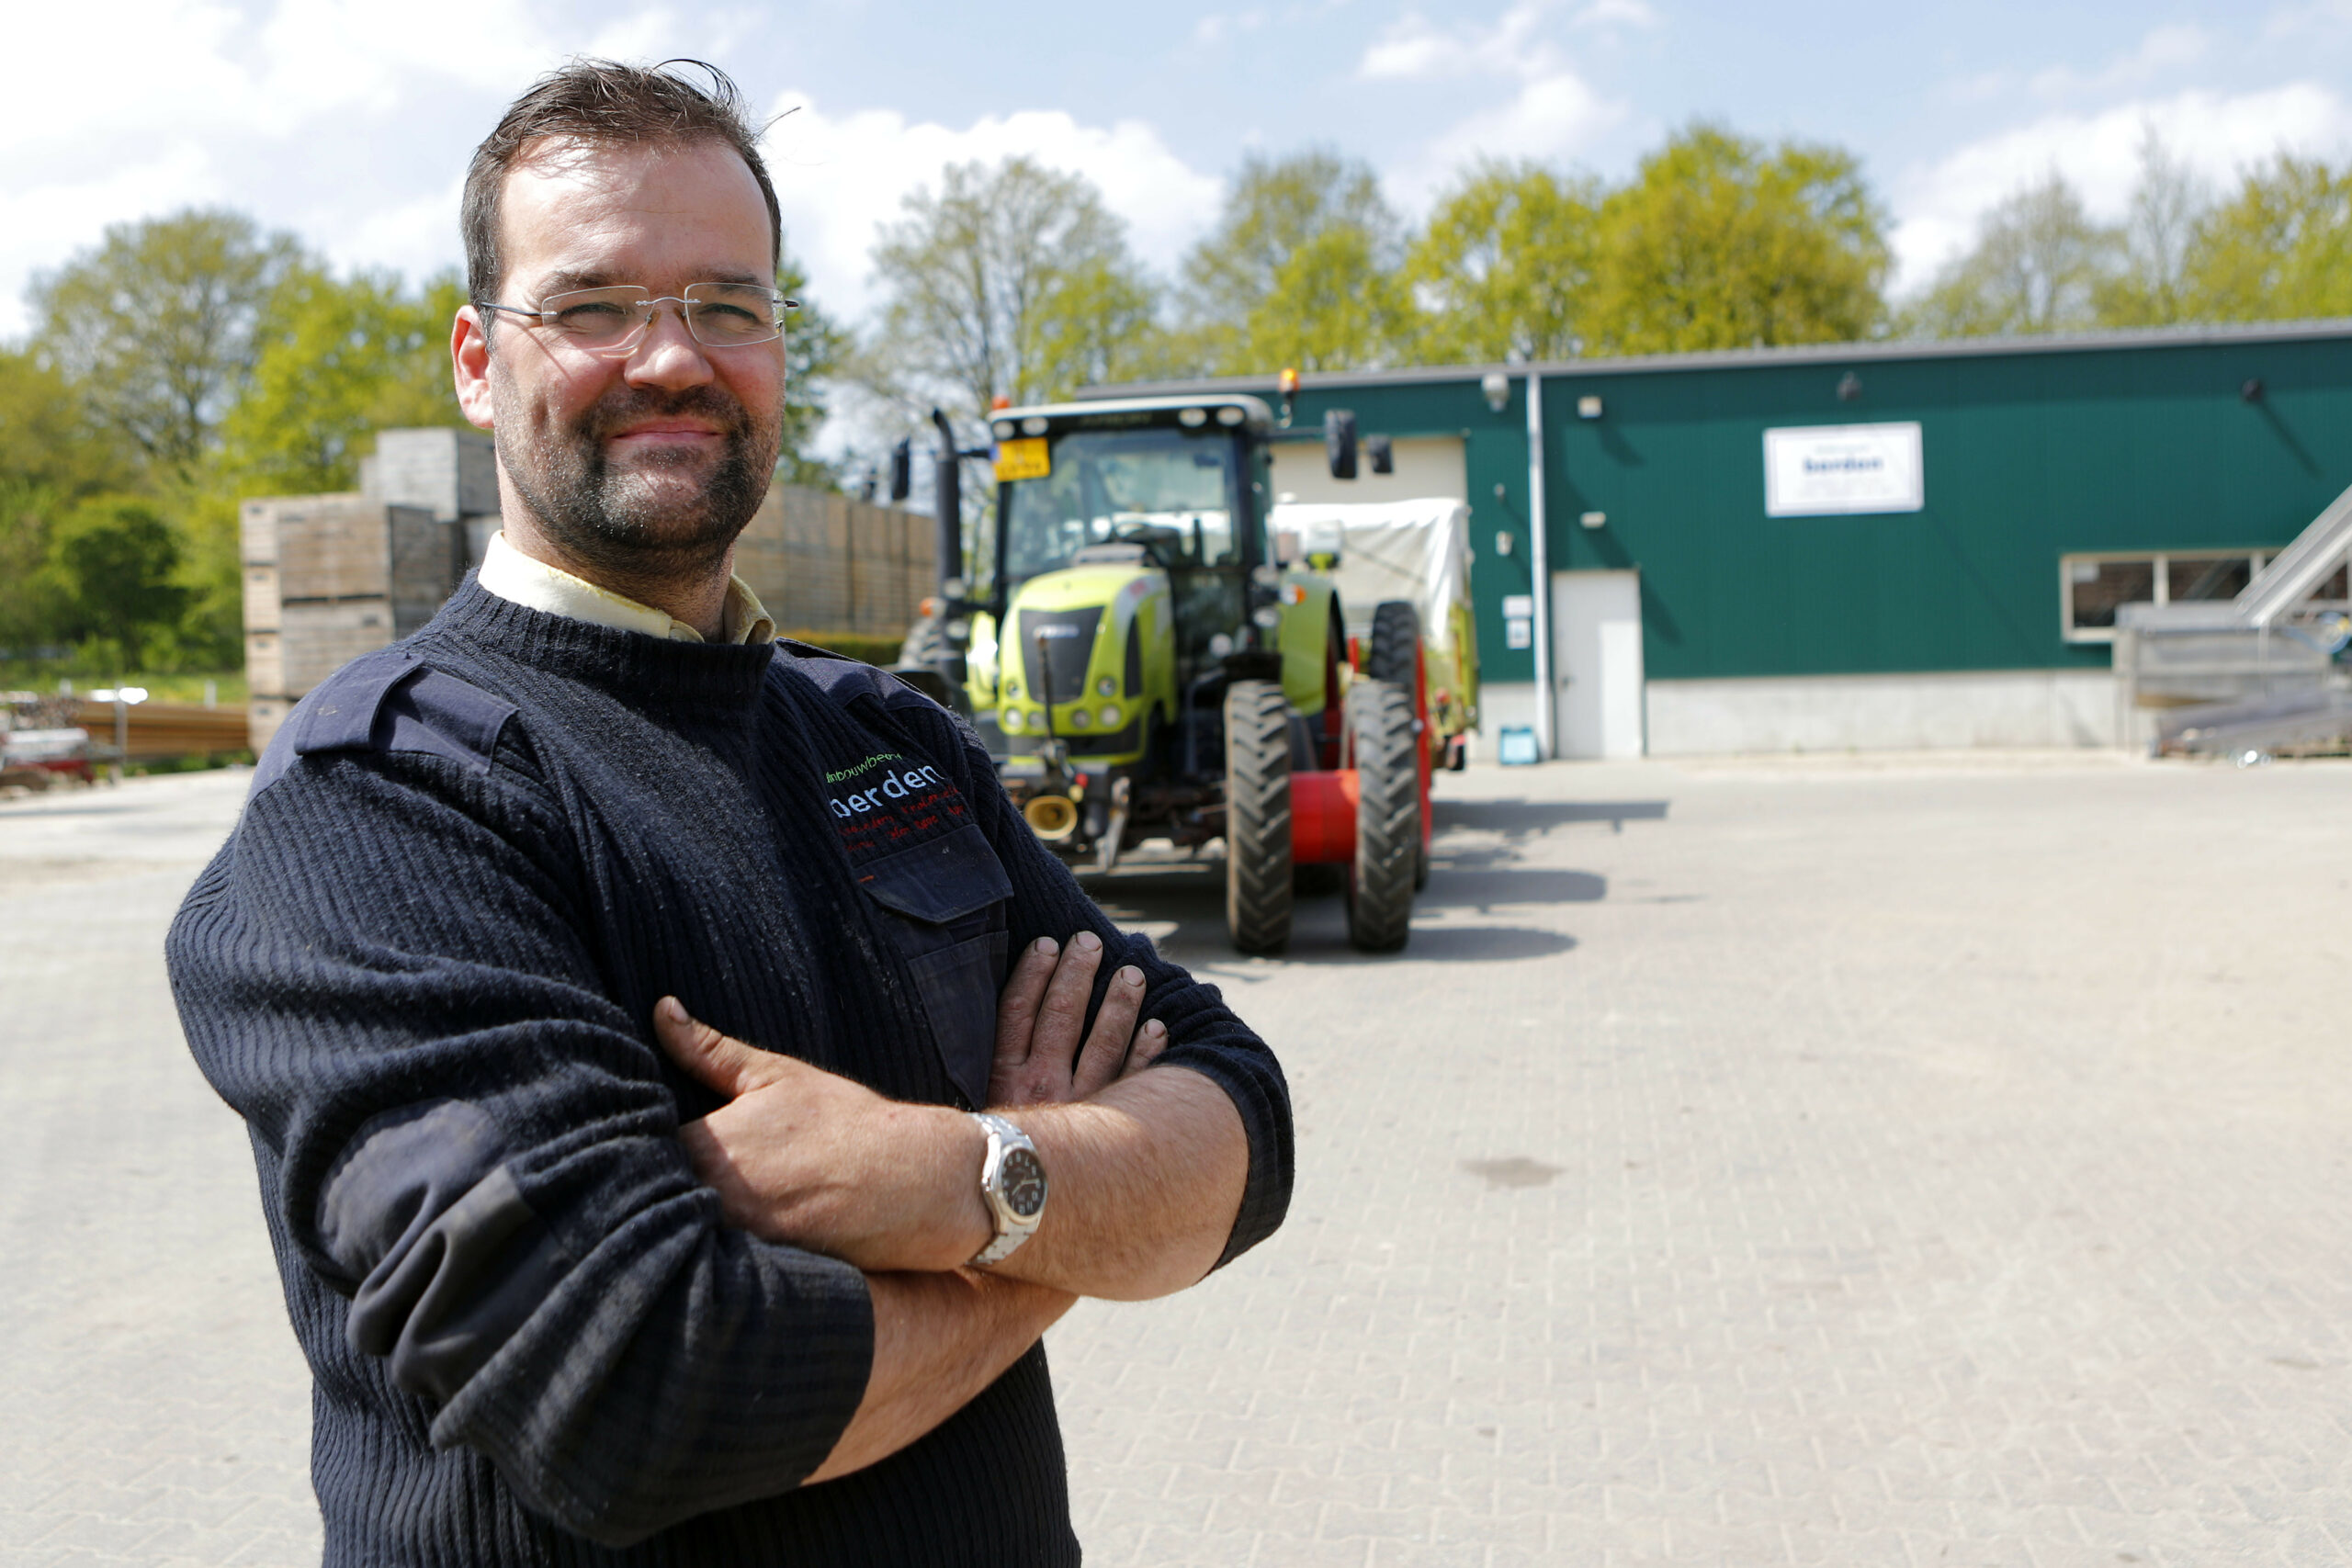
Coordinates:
582	1276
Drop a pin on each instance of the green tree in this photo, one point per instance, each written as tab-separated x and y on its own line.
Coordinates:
2278	250
1720	242
112	570
1011	280
2148	284
159	326
815	350
1506	265
1334	306
338	360
1272	279
51	456
2040	265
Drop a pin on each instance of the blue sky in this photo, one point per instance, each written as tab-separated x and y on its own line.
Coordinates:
350	120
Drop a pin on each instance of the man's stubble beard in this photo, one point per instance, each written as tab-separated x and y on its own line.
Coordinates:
630	525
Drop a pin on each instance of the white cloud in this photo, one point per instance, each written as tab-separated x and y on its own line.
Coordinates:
1217	26
2163	49
1550	117
2217	134
1618	14
1553	113
838	178
1413	49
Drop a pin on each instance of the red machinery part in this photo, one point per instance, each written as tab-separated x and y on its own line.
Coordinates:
1323	818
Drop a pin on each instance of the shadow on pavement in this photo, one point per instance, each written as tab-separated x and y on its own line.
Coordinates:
1182	907
1530	819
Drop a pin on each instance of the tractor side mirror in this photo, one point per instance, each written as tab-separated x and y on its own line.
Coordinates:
1339	443
902	469
1381	454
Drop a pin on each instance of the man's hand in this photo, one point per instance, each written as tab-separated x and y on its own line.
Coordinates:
1040	1014
807	1157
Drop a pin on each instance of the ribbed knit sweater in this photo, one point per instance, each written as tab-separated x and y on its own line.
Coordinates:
423	969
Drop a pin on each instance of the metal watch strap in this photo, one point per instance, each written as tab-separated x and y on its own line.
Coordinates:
1010	1231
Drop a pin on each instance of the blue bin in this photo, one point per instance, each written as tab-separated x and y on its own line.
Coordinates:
1515	746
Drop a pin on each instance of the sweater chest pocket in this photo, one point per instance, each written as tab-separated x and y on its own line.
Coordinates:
943	905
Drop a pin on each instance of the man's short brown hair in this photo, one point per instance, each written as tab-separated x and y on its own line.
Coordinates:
604	101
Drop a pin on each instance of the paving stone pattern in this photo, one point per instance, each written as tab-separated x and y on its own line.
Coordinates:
1901	1161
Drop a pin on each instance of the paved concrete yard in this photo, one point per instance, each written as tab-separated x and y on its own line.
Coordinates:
1859	1162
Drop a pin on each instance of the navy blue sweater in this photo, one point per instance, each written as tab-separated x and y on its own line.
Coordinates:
423	969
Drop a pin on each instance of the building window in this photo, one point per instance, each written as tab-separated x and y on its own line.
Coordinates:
2091	588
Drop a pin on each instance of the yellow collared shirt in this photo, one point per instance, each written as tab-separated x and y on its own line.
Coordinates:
518	579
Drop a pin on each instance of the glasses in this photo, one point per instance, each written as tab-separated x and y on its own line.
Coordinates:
614	321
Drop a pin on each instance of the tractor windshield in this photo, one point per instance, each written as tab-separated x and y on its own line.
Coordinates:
1171	491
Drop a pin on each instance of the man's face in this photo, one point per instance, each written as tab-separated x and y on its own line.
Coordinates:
646	464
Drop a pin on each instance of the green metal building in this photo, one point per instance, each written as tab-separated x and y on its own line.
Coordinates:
1934	559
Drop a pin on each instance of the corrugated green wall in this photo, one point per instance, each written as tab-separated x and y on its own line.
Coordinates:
2029	455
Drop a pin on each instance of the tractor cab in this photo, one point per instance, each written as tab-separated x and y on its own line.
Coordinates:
1128	537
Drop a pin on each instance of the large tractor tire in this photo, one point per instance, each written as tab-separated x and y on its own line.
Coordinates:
1384	748
1257	816
1393	652
1394	656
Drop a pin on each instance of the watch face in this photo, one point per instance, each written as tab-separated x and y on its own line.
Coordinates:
1024	1183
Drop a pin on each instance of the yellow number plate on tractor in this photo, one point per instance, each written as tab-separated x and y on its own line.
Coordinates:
1023	459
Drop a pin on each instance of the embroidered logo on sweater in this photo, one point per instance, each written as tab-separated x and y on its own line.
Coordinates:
892	802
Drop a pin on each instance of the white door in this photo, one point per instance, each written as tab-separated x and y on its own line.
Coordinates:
1597	663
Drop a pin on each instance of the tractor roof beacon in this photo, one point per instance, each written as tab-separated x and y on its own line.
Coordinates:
1141	665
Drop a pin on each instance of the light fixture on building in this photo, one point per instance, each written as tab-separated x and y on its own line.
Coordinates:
1497	386
2252	391
1594	519
1588	407
1849	387
1502	541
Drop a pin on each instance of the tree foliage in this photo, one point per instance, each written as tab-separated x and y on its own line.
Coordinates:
159	327
111	576
1505	267
1301	269
339	359
1720	243
2040	265
1010	280
815	348
2280	249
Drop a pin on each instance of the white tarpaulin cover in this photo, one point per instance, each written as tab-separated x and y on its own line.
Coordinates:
1417	550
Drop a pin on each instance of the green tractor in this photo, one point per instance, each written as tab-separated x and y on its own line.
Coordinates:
1142	667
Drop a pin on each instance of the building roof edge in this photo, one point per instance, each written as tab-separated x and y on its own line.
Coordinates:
2201	335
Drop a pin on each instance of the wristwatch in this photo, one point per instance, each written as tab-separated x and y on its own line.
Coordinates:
1013	1184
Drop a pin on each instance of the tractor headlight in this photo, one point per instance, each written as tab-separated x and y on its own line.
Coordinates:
1110	716
1106	686
1010	722
1081	719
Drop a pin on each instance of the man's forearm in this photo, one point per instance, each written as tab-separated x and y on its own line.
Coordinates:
1145	1178
939	1340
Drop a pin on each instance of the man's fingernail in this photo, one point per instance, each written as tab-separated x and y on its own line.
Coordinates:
1131	975
1047	947
674	1010
1086	942
1155	1029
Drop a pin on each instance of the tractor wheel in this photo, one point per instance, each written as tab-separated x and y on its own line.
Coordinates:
1420	865
1257	816
1395	644
1388	815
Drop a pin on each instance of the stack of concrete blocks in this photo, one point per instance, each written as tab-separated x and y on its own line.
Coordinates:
330	577
451	473
825	562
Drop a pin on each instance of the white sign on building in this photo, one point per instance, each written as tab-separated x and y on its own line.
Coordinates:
1828	470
